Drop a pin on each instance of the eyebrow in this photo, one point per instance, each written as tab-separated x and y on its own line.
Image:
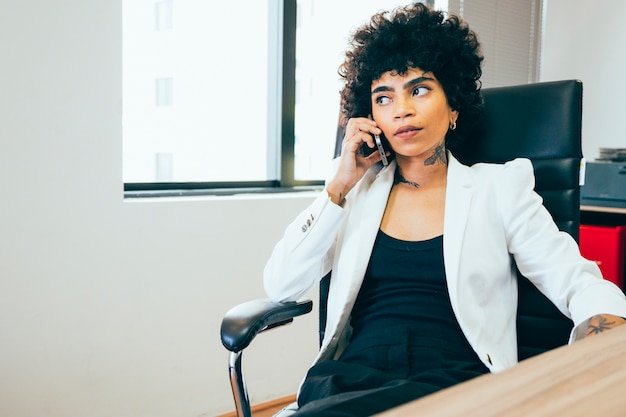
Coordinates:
408	84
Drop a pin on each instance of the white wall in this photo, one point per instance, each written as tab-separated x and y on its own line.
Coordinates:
112	308
584	40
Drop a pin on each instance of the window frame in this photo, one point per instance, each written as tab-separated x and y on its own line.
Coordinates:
282	98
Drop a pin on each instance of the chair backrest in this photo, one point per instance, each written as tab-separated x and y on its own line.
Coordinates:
541	122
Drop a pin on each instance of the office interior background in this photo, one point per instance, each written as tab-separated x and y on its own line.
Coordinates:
112	306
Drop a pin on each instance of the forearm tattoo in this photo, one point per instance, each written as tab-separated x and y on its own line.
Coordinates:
438	156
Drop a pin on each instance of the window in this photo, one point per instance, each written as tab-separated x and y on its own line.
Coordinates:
212	104
195	96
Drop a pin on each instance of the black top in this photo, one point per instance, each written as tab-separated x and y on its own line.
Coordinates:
405	288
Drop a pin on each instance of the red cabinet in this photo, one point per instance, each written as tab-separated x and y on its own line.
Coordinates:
606	245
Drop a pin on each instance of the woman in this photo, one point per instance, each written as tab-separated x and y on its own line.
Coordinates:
423	294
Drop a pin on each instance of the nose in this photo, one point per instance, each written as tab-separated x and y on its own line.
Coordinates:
405	107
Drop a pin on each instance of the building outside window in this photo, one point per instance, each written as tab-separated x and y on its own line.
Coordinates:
163	14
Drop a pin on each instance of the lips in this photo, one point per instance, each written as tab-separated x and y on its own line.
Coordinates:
405	131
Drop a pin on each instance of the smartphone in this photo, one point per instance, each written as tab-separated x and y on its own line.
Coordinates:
365	150
379	145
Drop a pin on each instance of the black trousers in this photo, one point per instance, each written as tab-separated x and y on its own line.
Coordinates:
381	375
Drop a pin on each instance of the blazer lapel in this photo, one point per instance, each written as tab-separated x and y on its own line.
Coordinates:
370	213
358	240
367	213
458	200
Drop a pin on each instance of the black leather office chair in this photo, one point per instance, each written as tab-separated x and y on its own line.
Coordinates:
539	121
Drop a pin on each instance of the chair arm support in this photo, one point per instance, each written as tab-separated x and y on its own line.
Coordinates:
243	322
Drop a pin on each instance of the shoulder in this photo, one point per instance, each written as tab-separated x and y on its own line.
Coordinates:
518	166
517	172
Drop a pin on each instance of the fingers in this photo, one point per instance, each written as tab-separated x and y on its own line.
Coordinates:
360	130
354	164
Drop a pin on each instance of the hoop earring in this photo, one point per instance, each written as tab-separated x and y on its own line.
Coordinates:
452	125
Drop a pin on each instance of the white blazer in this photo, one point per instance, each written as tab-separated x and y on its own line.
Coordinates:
492	215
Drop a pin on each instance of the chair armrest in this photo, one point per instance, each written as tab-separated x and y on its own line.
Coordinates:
243	322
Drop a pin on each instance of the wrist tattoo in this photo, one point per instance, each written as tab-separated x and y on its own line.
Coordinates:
598	324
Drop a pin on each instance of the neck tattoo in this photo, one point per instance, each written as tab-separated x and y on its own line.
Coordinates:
438	157
399	179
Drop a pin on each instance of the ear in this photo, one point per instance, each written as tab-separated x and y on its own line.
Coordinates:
454	115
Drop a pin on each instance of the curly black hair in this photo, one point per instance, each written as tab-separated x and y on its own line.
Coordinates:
415	36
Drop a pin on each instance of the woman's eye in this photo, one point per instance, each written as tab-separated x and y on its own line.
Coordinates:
420	91
383	100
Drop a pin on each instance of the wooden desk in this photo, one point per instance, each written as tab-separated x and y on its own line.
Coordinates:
587	379
603	209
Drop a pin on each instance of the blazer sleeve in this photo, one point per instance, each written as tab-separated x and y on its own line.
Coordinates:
304	254
550	258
